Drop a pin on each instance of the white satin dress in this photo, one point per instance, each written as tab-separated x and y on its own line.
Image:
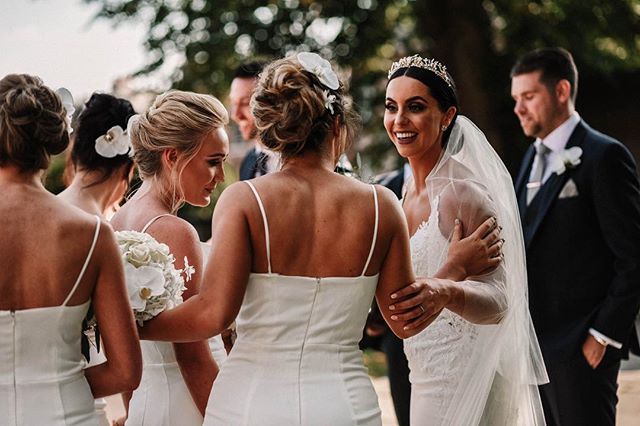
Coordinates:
296	360
41	365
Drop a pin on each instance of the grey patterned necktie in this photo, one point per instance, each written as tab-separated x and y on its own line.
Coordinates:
535	182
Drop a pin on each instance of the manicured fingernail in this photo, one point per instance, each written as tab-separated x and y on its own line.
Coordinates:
405	328
394	317
392	307
457	221
394	296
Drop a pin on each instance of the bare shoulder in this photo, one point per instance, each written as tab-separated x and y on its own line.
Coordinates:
174	231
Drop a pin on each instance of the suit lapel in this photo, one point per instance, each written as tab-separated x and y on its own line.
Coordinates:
548	194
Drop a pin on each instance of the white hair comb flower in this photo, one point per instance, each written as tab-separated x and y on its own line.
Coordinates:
114	142
320	67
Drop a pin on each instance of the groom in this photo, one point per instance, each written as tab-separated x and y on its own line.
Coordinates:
579	202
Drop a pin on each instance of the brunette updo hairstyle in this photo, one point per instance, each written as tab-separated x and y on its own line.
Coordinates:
290	114
176	120
101	113
32	123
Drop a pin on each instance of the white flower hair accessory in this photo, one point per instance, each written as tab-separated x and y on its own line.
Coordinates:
114	142
130	123
320	67
329	100
67	103
566	159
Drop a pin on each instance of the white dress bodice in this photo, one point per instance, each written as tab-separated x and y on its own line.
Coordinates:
42	378
296	360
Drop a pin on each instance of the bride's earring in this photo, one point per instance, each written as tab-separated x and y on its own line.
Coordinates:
443	127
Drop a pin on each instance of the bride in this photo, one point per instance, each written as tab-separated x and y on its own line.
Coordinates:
478	361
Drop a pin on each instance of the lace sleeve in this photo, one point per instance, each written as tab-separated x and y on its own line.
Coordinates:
485	296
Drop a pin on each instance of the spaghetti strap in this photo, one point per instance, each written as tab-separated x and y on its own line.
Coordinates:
86	262
264	221
375	230
153	219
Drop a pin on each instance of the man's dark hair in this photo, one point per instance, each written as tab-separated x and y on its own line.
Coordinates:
250	69
554	64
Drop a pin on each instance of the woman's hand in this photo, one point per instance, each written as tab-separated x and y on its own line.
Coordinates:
477	254
420	303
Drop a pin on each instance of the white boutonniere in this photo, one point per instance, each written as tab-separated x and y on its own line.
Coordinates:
67	103
114	142
320	67
566	159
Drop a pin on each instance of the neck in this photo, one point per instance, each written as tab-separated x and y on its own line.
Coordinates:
88	192
310	160
562	114
421	166
12	175
149	192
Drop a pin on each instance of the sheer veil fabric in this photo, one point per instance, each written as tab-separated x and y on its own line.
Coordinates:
500	381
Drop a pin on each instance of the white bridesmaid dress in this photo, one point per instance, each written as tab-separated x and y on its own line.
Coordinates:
296	360
41	365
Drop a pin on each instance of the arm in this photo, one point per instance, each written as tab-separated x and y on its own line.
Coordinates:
481	300
123	368
396	271
224	282
616	201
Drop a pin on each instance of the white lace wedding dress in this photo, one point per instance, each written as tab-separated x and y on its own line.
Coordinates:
485	368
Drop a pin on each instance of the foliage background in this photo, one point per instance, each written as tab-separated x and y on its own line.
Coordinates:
478	40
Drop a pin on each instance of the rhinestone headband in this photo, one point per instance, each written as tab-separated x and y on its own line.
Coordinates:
428	64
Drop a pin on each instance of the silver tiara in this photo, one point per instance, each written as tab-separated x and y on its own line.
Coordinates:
428	64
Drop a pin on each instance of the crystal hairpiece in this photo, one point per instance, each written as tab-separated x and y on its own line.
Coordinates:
428	64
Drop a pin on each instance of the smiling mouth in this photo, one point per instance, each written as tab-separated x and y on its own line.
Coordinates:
405	137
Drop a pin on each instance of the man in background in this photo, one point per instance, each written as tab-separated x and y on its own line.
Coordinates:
579	201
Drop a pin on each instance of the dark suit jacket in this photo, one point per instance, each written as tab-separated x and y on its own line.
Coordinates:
249	165
583	252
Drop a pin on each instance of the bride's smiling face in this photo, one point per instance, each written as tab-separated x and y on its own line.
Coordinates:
413	118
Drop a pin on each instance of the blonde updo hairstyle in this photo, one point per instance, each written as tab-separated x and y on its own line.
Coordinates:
289	109
176	120
33	123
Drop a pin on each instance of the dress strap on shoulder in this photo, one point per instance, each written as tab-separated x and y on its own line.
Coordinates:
153	219
86	262
375	229
264	221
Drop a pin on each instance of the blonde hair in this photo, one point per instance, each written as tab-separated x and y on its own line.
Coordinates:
32	123
176	120
289	109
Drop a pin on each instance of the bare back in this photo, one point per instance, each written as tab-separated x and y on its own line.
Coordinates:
43	248
320	225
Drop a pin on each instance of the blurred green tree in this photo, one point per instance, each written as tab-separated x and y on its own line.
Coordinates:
478	40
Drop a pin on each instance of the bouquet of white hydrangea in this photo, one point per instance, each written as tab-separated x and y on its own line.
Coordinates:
153	282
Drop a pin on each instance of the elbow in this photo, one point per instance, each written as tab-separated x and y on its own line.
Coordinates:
129	376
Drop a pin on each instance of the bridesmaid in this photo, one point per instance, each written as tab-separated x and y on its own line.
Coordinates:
180	145
100	178
55	259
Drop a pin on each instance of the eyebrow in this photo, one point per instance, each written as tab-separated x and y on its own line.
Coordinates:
413	98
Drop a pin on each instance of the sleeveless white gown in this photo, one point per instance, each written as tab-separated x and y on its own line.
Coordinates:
163	398
41	365
296	360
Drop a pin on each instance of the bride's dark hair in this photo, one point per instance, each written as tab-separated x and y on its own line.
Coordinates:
32	123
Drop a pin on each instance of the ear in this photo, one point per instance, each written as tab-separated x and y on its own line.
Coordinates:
448	116
563	91
169	157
